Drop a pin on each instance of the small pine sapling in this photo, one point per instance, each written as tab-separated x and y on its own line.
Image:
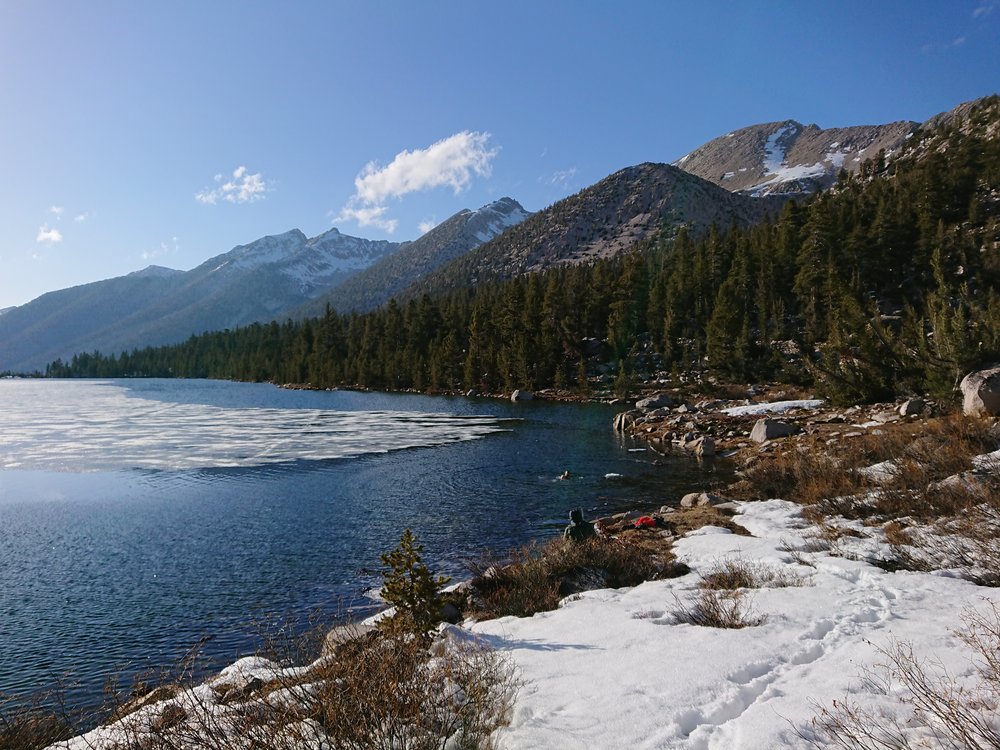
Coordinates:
410	587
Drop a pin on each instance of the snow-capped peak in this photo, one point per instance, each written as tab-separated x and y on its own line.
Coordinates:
496	217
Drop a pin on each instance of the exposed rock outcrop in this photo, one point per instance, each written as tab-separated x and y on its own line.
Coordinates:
769	429
981	393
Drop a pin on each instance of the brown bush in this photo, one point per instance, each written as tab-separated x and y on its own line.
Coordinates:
713	608
33	725
535	578
733	574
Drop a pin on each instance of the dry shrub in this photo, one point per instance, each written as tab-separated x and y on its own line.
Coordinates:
536	578
375	692
712	608
936	708
837	484
389	694
35	723
803	476
968	542
732	574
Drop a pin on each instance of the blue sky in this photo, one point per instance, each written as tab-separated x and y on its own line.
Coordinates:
138	133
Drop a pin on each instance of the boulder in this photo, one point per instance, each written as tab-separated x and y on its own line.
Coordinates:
883	417
450	613
911	407
769	429
981	393
658	401
520	395
703	446
471	393
624	420
345	634
699	499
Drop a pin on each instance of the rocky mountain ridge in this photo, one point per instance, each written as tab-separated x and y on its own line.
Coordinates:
606	219
789	158
393	273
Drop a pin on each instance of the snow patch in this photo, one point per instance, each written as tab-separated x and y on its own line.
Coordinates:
613	668
774	153
774	407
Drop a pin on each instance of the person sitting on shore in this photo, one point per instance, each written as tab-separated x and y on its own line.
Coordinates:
578	530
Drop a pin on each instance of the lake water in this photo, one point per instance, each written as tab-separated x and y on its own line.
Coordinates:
141	517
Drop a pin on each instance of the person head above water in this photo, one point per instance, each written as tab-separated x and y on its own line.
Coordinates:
576	515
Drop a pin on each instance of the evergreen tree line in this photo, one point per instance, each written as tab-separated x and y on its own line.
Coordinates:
887	284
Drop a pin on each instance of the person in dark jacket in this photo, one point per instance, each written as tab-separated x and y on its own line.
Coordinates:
578	530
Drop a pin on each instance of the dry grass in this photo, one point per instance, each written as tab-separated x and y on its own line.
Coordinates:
937	708
33	724
714	608
837	483
734	573
536	578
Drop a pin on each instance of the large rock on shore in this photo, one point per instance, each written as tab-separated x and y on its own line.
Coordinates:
769	429
520	395
981	393
699	499
626	419
654	402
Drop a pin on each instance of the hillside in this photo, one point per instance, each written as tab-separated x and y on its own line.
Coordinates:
600	222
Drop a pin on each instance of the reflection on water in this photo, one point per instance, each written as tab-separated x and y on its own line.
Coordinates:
275	503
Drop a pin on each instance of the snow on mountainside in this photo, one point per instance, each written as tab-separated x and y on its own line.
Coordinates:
449	240
313	264
780	158
493	219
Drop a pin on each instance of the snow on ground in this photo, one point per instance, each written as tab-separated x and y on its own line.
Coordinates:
775	407
612	669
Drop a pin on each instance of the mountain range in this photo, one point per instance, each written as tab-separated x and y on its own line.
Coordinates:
737	178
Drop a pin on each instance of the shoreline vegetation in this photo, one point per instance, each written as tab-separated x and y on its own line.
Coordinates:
917	482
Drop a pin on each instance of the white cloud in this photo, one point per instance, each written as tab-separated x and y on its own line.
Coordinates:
243	187
48	236
166	248
56	211
371	216
985	8
562	177
427	225
81	217
451	162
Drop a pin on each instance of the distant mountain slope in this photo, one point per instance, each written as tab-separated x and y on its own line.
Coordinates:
788	157
601	221
252	282
392	274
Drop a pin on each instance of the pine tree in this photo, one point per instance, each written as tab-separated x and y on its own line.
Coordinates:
412	589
